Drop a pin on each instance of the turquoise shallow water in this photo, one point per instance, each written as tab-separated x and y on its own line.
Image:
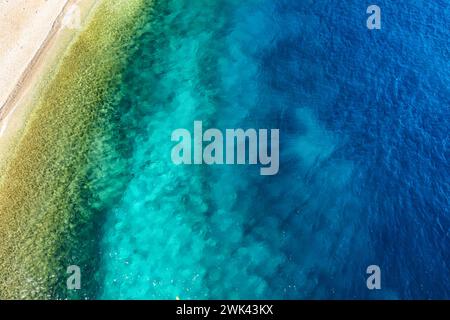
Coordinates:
363	155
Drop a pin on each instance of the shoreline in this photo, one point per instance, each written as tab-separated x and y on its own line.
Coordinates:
21	100
34	49
43	217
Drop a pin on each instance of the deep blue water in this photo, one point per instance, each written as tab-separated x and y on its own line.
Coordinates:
364	175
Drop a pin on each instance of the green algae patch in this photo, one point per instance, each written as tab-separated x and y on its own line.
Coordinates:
44	226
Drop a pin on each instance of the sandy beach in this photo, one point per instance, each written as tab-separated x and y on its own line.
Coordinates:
25	27
34	35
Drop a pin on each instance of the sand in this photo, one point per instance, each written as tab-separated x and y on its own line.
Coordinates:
34	35
24	27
